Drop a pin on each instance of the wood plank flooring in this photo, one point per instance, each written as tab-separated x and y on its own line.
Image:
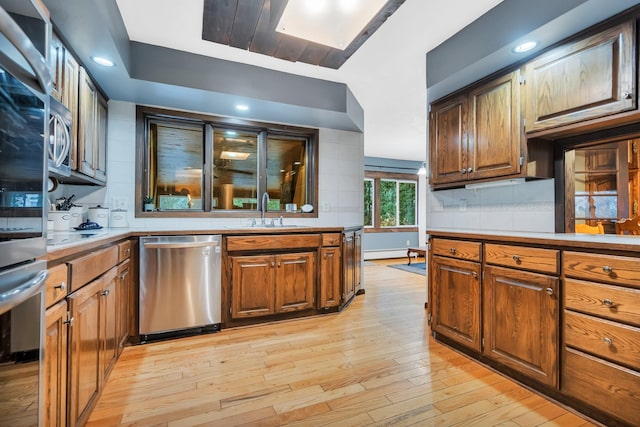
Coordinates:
372	364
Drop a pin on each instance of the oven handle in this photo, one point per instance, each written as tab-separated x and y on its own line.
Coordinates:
19	39
23	292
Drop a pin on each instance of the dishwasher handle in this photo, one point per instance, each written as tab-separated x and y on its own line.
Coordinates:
179	245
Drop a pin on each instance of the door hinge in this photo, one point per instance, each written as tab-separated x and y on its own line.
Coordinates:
429	317
483	275
483	342
521	160
229	310
524	123
523	79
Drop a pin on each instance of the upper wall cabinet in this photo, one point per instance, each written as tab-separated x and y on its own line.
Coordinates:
477	135
586	79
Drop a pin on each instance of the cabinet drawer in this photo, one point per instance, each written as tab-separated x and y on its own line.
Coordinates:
612	302
57	284
331	239
596	381
610	340
606	268
457	249
273	242
88	267
535	259
124	250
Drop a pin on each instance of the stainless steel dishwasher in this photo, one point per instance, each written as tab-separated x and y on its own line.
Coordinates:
179	285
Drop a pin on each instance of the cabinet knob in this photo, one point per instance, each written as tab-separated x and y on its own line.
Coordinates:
626	95
469	170
516	258
549	291
273	264
62	286
463	170
474	274
452	250
607	269
105	292
607	302
608	341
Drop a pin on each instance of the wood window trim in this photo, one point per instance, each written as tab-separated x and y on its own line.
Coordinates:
142	112
377	176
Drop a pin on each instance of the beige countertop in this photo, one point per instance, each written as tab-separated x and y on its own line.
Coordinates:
575	240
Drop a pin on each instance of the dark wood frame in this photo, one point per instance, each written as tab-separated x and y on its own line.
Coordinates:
377	176
144	113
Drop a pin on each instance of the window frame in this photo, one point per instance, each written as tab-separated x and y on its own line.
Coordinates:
145	114
389	176
373	203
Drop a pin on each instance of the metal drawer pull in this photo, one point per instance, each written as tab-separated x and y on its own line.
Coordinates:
549	291
608	302
62	286
452	250
516	258
607	269
608	341
474	274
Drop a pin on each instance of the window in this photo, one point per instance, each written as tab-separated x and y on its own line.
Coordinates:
390	201
198	165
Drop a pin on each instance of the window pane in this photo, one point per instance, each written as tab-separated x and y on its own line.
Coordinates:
388	204
407	203
368	203
175	166
286	171
235	169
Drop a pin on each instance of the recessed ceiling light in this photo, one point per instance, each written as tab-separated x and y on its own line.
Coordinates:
102	61
234	155
242	107
525	47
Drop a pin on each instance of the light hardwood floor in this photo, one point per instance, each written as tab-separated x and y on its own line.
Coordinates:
372	364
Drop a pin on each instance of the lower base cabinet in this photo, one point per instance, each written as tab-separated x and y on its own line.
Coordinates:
521	322
263	285
55	365
329	277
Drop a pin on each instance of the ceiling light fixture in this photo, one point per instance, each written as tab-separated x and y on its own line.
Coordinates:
100	60
234	155
525	47
334	23
242	107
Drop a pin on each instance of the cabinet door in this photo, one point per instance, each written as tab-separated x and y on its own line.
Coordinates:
100	149
55	366
295	281
71	74
357	261
494	128
521	322
56	65
590	78
329	277
348	265
87	124
123	291
108	326
85	349
448	140
252	286
455	289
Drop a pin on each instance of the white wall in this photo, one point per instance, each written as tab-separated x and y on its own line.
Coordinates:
341	170
523	207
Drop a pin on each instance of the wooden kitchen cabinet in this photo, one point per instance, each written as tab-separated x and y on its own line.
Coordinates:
294	281
601	330
262	285
85	351
330	263
109	312
455	300
357	261
123	293
55	365
521	318
477	134
92	122
351	263
586	79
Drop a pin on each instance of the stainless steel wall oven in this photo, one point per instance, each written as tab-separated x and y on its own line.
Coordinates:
25	85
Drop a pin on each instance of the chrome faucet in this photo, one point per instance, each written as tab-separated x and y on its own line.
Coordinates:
263	207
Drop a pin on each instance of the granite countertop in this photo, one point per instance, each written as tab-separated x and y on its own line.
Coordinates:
577	240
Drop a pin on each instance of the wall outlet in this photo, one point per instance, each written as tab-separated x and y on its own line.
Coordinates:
119	203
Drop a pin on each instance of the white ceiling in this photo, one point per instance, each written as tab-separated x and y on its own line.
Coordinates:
386	75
